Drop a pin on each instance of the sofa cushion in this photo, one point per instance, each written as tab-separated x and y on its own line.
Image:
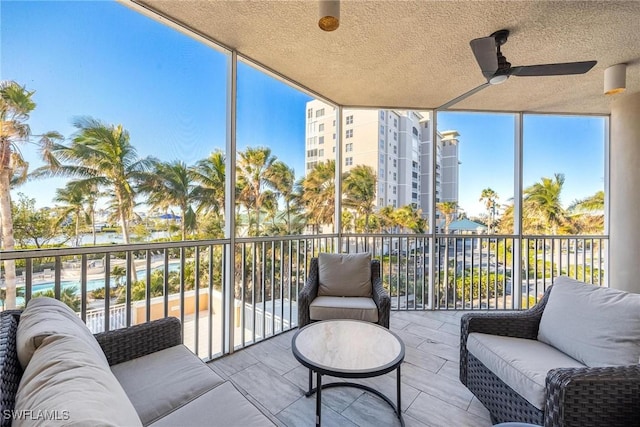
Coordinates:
344	275
45	316
160	382
67	381
596	326
520	363
357	308
222	406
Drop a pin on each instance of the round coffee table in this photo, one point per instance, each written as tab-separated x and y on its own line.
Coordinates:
348	349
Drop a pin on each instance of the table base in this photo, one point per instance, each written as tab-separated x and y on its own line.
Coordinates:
317	390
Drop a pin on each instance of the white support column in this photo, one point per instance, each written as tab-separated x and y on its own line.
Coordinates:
624	195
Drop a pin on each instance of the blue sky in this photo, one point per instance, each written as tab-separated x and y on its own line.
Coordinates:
104	60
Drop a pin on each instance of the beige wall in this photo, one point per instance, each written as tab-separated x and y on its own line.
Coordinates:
624	194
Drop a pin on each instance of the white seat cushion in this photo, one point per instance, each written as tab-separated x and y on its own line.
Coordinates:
595	325
344	275
357	308
232	409
520	363
160	382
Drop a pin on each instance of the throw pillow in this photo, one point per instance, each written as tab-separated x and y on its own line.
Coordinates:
344	275
47	316
595	325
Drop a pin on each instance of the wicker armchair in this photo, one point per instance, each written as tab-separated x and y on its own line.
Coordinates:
310	291
574	396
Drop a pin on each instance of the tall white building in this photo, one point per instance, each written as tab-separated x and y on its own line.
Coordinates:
395	143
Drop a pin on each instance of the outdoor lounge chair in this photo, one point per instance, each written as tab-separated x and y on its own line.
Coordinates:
344	286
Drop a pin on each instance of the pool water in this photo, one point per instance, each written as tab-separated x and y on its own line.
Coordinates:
93	283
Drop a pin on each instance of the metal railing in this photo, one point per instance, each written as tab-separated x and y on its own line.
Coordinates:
191	280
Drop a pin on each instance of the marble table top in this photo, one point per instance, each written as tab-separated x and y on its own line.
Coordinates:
347	346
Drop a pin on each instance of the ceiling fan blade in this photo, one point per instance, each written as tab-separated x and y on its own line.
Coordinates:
484	49
463	96
563	69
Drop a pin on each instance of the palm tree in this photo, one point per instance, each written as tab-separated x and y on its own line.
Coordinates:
318	194
254	178
588	214
16	104
171	184
544	196
489	197
283	179
360	191
73	197
410	218
448	209
209	174
102	156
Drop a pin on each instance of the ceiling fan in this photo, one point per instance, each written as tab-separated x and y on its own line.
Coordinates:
496	69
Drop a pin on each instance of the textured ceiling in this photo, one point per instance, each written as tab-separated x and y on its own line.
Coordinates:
416	54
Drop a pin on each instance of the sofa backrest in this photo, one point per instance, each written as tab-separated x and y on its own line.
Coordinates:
596	326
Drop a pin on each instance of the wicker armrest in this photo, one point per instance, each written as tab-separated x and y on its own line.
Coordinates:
586	397
307	294
380	295
125	344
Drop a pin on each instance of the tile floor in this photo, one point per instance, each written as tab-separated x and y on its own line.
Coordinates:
269	375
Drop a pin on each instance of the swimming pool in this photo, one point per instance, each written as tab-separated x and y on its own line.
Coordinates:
93	284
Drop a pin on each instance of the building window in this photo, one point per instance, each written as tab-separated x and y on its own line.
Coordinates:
395	163
382	144
321	152
334	136
381	201
321	127
415	131
309	113
395	176
348	146
395	123
395	136
414	185
321	140
334	123
312	153
395	149
381	158
395	190
382	130
348	161
349	120
349	133
414	195
382	173
334	148
320	112
311	165
382	114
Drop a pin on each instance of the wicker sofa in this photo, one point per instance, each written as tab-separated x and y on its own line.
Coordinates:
53	371
598	384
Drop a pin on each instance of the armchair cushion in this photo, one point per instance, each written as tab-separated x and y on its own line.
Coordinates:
357	308
344	275
596	326
522	364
